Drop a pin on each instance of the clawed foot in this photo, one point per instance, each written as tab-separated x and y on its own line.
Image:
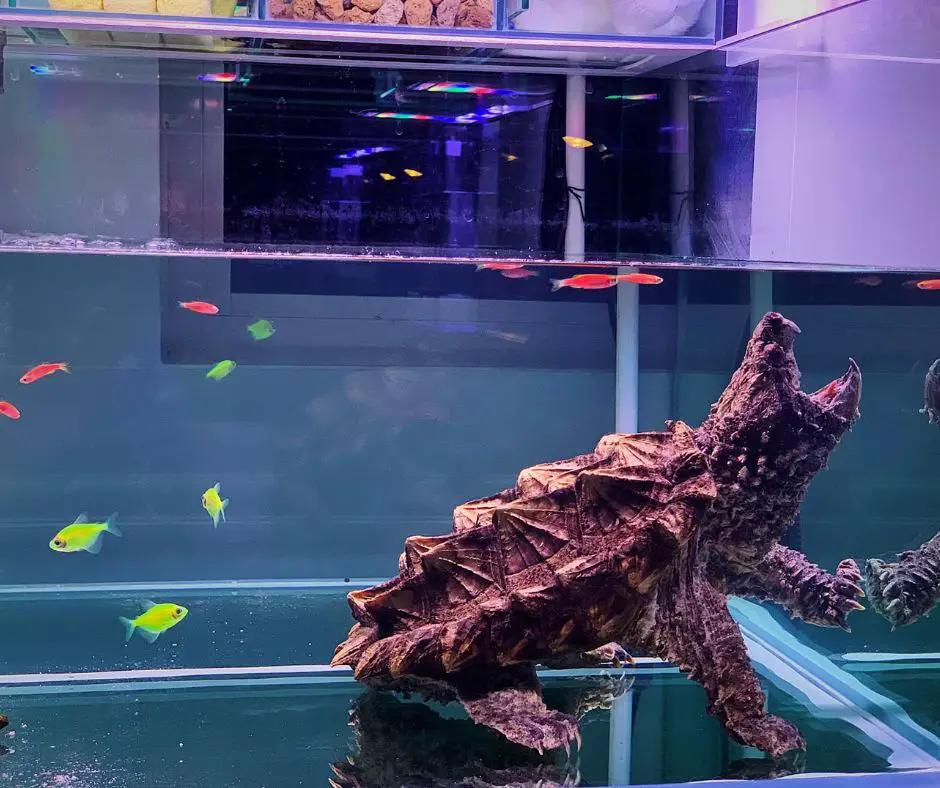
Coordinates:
612	654
841	599
522	717
770	734
899	591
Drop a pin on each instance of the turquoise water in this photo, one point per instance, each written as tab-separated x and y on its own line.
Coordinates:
363	420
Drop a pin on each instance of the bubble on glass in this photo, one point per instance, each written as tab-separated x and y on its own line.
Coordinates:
588	87
399	130
14	73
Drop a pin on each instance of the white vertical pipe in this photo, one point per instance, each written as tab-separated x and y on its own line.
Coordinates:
621	716
762	295
575	126
628	356
621	740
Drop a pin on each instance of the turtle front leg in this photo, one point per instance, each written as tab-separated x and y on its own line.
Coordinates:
804	590
695	631
904	591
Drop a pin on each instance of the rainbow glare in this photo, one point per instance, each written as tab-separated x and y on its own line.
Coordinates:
634	97
222	76
461	87
361	153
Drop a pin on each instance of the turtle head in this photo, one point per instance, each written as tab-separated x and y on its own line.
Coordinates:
766	438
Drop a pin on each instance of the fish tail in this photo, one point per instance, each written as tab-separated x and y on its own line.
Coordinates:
557	284
66	368
110	527
129	627
481	267
222	510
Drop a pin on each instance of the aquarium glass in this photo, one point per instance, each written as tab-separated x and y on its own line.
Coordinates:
263	319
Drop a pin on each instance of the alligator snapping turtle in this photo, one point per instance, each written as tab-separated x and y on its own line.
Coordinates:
636	543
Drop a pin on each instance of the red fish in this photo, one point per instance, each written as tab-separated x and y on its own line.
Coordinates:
41	370
642	279
9	410
201	307
499	266
928	284
602	281
519	273
869	281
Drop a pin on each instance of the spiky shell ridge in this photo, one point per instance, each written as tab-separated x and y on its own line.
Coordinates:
560	563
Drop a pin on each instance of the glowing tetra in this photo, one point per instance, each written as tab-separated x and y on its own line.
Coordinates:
154	621
214	505
83	535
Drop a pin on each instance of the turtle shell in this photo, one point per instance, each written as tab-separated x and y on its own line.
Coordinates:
559	563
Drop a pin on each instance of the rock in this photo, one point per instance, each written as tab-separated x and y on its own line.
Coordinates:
358	16
447	13
332	8
278	9
418	12
469	14
368	5
304	9
390	13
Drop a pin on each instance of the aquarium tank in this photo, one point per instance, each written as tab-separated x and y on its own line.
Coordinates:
469	393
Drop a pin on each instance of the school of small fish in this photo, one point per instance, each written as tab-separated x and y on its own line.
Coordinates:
83	535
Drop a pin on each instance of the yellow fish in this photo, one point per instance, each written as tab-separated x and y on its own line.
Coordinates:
83	535
214	505
154	621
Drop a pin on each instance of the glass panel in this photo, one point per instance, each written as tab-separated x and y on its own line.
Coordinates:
282	732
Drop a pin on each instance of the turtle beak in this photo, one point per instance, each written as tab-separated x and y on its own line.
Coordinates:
842	396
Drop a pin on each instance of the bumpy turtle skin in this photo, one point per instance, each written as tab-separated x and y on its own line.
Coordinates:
803	589
636	543
904	591
932	394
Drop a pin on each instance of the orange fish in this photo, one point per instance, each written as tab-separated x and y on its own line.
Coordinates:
499	266
202	307
602	281
41	370
9	410
518	273
869	281
928	284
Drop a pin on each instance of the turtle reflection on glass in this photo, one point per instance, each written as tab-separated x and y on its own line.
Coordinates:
634	545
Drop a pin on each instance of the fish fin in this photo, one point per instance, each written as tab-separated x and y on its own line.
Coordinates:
557	284
146	604
110	527
82	518
215	518
217	486
222	510
148	635
129	627
95	547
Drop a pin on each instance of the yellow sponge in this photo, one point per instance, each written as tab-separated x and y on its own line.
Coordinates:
184	7
130	6
75	5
